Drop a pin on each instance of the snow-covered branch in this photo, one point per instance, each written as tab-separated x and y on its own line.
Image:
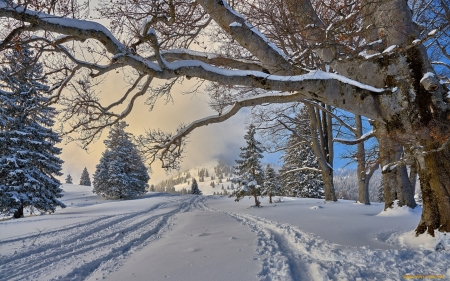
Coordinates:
355	141
301	169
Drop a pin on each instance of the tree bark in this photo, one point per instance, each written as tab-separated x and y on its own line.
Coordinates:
257	204
325	167
363	188
434	176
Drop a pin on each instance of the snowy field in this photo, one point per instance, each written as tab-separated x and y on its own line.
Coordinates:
171	237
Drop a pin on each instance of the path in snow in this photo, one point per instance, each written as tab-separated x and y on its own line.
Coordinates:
287	253
92	248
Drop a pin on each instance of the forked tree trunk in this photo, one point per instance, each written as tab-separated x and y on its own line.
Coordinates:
326	169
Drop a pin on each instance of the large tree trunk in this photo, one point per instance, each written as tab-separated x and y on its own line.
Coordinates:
434	176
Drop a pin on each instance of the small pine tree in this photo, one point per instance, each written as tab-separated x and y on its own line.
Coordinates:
194	188
84	179
271	185
69	179
28	155
250	175
121	172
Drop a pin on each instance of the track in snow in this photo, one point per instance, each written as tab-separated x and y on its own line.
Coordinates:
287	253
91	249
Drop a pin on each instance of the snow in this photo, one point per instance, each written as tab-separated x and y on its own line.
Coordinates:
235	24
427	75
432	32
169	237
390	49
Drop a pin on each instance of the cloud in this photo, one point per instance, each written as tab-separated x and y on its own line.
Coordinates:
214	141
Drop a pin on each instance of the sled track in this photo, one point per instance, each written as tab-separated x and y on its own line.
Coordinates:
92	248
287	253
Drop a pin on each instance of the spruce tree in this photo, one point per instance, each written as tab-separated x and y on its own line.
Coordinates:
194	188
271	186
249	174
84	179
301	183
121	172
69	179
28	156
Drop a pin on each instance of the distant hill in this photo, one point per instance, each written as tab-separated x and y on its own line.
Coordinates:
214	177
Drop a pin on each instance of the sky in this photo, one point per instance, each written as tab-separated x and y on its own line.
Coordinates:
213	141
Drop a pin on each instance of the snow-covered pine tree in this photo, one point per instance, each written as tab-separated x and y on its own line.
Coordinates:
121	172
249	174
271	186
28	156
84	179
69	179
298	154
194	188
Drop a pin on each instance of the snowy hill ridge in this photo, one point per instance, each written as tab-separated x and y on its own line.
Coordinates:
220	173
213	178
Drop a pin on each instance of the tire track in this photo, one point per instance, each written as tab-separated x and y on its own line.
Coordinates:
98	245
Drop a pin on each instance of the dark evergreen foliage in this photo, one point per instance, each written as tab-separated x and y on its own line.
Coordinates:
121	172
272	186
69	179
28	155
249	174
299	155
85	179
194	188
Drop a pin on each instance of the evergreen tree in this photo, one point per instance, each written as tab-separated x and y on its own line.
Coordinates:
249	174
300	183
271	185
84	179
28	156
194	188
69	179
121	172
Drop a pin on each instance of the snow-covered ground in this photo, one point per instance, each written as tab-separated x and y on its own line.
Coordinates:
170	237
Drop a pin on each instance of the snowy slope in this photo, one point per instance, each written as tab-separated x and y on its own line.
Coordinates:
171	237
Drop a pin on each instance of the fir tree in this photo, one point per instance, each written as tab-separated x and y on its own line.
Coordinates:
194	188
69	179
250	175
28	156
121	172
306	182
271	185
84	179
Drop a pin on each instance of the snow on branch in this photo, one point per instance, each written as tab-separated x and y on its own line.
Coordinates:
356	141
82	29
301	169
249	37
